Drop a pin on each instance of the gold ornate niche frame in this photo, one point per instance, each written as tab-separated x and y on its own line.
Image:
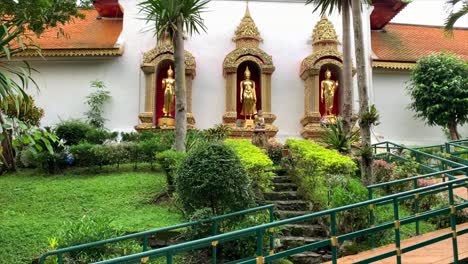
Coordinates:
152	60
325	54
247	39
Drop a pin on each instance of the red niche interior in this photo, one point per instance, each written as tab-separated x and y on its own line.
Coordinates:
336	102
255	75
159	100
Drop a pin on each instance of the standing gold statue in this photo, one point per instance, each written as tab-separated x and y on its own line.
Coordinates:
169	93
328	92
248	97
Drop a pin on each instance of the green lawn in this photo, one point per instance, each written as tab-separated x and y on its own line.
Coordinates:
34	208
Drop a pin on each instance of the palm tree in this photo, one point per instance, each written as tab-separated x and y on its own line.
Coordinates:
176	17
454	16
342	7
366	113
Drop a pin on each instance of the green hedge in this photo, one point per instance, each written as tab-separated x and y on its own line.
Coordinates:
314	168
255	161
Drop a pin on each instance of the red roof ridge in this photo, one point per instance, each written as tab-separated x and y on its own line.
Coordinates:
420	25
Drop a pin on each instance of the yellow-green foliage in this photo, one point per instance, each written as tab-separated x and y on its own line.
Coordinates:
254	160
314	166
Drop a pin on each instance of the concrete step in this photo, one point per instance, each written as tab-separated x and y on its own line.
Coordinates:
306	258
281	187
281	196
291	205
281	179
297	230
284	214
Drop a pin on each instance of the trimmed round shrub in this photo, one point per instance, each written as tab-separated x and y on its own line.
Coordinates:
212	177
72	131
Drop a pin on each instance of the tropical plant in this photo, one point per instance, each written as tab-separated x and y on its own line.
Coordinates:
343	7
455	15
27	111
336	137
19	20
96	101
176	17
439	91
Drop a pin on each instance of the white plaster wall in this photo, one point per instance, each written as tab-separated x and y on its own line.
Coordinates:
397	121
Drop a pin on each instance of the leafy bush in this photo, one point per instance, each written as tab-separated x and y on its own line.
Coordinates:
349	191
26	111
84	154
219	132
72	131
170	161
130	136
312	165
212	177
96	101
275	151
90	229
100	136
255	161
383	171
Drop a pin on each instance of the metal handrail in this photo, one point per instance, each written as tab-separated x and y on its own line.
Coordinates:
260	230
146	234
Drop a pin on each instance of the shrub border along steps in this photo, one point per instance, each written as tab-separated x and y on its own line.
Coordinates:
147	234
259	231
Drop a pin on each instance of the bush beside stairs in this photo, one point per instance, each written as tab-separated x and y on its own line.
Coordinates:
288	203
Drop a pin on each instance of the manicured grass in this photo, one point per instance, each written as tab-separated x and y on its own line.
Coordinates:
34	208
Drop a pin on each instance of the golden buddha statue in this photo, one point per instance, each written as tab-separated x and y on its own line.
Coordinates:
169	93
248	97
328	92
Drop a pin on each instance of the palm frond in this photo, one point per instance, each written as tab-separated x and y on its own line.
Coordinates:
162	15
454	16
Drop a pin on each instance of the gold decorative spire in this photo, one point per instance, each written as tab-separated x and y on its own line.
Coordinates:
324	32
247	31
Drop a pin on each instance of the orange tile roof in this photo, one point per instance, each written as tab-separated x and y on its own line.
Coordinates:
408	43
82	37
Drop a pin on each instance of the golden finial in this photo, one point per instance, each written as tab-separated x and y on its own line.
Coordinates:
247	10
247	30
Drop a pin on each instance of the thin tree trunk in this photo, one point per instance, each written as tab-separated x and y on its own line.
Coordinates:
366	162
347	68
8	155
452	126
180	90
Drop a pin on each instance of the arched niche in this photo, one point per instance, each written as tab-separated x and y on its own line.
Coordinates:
248	52
155	64
325	56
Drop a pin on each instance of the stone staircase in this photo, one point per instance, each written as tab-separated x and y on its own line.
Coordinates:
288	203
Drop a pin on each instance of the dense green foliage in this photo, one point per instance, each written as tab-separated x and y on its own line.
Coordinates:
96	101
35	207
275	152
439	91
170	161
312	165
72	131
90	229
212	177
255	161
26	111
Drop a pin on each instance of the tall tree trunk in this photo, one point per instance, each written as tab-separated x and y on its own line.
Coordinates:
347	69
8	154
180	90
366	162
452	126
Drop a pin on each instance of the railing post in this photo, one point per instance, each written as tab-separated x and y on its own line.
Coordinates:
145	243
59	258
214	244
260	243
272	232
453	224
371	217
388	147
333	239
416	205
397	230
169	258
447	148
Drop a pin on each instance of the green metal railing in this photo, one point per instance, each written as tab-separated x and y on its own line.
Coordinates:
259	231
146	235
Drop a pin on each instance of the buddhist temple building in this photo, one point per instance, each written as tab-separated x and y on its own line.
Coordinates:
286	47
